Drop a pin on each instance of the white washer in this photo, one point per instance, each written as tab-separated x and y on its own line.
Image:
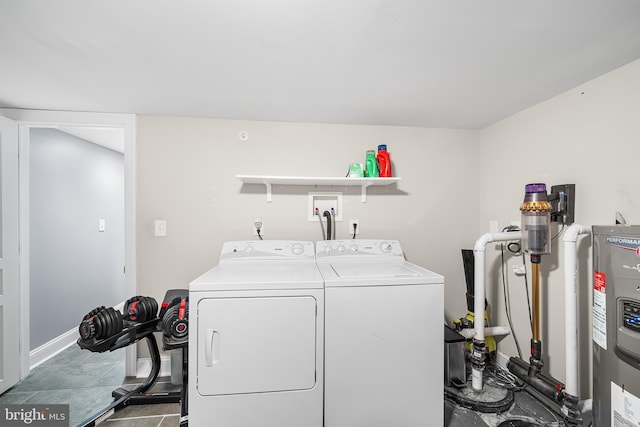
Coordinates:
383	336
256	338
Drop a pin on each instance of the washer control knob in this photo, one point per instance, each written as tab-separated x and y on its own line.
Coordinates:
354	248
341	248
327	249
248	249
297	249
386	247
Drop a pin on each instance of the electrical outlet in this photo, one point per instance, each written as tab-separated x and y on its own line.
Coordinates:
352	223
258	225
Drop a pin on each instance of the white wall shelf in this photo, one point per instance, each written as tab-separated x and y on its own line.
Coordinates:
363	183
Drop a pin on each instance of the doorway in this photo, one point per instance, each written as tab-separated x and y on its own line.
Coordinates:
28	120
76	231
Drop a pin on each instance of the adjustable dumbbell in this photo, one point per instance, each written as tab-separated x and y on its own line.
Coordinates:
175	321
140	309
101	323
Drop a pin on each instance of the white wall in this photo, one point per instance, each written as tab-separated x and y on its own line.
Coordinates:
187	169
73	266
589	136
453	183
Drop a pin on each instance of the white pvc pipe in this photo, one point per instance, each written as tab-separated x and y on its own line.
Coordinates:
491	331
570	300
479	291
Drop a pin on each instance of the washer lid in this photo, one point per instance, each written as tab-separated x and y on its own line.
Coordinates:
376	274
351	270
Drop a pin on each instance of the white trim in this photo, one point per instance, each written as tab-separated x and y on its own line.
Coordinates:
10	338
34	118
49	349
24	319
130	224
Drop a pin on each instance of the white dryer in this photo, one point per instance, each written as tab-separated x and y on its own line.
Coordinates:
383	336
256	338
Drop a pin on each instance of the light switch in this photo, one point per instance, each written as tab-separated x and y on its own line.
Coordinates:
160	228
101	225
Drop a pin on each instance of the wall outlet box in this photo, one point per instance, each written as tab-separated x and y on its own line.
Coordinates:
352	223
258	225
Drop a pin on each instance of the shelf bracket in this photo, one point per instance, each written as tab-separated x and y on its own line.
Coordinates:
363	189
267	184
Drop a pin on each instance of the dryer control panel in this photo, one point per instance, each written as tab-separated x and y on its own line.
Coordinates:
327	249
267	250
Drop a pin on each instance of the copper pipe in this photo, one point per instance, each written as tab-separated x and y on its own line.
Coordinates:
535	296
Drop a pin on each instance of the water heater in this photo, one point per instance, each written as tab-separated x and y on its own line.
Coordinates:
616	325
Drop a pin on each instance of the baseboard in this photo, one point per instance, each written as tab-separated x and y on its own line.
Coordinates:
49	349
60	343
143	368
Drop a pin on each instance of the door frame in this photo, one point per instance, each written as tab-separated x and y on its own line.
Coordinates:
28	119
9	255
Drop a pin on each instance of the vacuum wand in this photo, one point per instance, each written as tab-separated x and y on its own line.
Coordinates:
535	294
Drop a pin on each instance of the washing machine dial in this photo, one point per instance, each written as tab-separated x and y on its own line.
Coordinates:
354	248
341	248
297	249
386	247
248	249
327	250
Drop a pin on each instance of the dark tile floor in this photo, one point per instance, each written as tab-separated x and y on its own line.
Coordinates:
85	380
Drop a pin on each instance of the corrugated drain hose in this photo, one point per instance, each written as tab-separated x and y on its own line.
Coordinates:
327	215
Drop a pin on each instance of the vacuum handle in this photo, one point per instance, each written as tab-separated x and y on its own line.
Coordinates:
211	348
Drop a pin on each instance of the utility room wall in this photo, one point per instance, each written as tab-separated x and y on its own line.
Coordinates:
187	171
588	136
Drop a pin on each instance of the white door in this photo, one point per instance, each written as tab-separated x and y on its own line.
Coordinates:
9	255
256	345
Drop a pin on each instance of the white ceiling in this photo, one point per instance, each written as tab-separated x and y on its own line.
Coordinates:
432	63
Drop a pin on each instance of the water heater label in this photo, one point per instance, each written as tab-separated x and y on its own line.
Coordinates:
627	243
625	407
600	309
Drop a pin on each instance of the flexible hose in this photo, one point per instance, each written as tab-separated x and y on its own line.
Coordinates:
324	236
327	215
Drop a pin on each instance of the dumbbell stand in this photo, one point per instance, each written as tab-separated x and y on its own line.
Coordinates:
171	343
138	395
